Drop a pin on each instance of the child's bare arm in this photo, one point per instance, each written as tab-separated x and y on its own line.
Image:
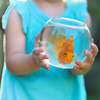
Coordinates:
17	61
88	21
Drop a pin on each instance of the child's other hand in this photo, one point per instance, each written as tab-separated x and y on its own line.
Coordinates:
38	57
87	63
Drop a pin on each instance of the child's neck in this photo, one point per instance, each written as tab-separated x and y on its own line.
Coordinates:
51	7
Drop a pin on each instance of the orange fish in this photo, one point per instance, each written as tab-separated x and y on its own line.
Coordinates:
65	52
66	55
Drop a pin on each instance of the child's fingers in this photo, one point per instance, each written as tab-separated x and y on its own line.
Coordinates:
39	60
94	50
79	65
77	68
41	57
44	65
89	56
92	40
37	51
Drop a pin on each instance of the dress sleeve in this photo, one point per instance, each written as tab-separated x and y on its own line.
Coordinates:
79	8
22	9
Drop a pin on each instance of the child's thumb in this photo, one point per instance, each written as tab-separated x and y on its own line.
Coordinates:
36	41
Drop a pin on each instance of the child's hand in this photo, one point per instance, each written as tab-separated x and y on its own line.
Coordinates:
38	57
87	63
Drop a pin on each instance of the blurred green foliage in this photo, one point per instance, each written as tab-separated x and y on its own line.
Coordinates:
3	6
94	10
92	79
1	52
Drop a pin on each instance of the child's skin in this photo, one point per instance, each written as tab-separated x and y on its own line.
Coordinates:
20	63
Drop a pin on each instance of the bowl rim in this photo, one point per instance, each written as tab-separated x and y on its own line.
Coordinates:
84	25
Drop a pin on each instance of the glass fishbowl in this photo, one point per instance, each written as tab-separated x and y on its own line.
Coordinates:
65	40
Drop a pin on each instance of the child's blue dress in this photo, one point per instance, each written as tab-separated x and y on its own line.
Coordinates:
56	84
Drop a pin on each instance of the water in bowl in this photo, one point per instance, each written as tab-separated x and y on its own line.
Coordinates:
52	38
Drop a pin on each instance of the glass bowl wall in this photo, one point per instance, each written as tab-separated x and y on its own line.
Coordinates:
56	36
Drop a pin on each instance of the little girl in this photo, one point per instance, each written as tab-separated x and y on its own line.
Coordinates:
26	76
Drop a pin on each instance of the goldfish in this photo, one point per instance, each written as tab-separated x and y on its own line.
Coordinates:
65	52
66	55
